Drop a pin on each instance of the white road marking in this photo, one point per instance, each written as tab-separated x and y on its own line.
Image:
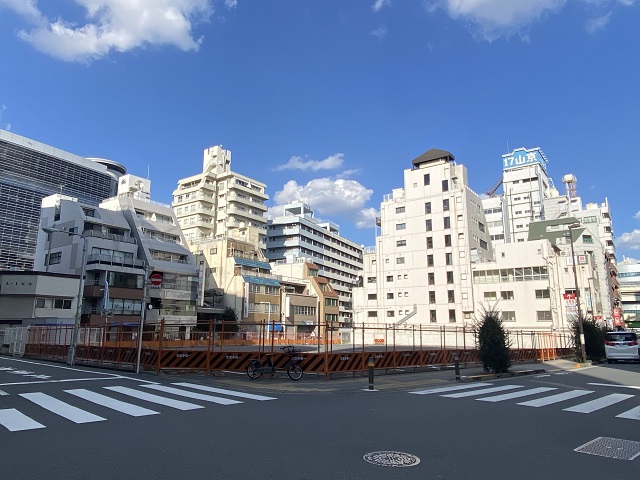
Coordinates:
598	403
123	407
149	397
63	409
632	387
560	397
482	391
15	421
231	393
2	392
521	393
633	414
541	376
66	380
196	396
450	389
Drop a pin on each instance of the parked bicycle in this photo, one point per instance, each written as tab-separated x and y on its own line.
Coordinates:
293	368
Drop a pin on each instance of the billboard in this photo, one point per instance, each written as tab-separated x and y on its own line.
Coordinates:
521	157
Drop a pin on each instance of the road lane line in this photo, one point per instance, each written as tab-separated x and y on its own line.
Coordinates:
112	403
63	409
149	397
482	391
16	421
633	414
560	397
196	396
66	380
599	403
222	391
450	389
633	387
521	393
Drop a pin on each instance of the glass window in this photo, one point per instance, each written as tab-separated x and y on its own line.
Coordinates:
452	316
429	225
445	187
451	296
508	316
445	205
400	260
427	207
399	209
389	296
372	313
427	179
447	240
372	296
429	242
389	278
431	278
429	260
449	277
401	226
508	295
544	315
447	222
401	243
432	316
490	296
371	280
449	258
432	297
544	293
391	313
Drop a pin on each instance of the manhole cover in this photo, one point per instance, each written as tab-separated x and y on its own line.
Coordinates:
392	459
612	448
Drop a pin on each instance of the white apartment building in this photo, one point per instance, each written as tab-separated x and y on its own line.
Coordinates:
431	232
629	278
298	236
218	201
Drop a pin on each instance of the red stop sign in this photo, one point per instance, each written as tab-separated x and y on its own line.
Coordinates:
155	279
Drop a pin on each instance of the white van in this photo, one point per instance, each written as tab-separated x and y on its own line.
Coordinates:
621	345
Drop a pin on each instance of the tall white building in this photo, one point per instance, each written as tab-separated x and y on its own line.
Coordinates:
432	229
629	278
218	201
298	236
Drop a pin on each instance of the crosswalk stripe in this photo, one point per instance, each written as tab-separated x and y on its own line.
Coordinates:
599	403
482	391
16	421
150	397
633	414
196	396
521	393
222	391
63	409
112	403
560	397
450	389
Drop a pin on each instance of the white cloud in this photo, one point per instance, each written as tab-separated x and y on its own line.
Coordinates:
637	215
329	198
595	24
377	6
630	240
113	25
380	32
297	163
231	4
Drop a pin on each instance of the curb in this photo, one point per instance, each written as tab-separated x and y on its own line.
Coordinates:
488	376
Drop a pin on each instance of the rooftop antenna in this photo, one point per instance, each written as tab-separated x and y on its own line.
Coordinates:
148	167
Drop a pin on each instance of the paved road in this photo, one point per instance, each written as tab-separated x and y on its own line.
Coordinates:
85	423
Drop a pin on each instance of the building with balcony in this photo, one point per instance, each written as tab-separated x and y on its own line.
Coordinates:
431	231
297	236
30	171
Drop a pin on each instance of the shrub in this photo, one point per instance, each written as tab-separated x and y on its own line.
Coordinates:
594	335
493	342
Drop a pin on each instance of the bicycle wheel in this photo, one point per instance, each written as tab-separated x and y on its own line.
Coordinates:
294	371
253	370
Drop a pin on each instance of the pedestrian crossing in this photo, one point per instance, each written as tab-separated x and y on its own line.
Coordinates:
119	399
487	392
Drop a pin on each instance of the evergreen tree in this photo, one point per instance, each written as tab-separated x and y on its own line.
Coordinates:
493	342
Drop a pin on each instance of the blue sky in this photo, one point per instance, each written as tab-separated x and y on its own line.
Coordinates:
328	101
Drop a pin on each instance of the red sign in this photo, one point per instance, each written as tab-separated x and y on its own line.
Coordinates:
155	279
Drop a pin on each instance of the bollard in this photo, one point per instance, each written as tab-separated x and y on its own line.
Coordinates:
456	364
371	364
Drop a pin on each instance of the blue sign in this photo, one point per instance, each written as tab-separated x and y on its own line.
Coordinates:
522	156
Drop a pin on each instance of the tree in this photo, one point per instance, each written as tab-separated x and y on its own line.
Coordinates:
493	342
594	336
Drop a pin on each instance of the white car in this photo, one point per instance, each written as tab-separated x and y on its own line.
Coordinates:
621	345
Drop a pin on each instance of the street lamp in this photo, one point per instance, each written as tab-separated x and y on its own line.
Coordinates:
575	279
71	356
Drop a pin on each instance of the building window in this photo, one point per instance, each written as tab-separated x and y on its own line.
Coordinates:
429	260
445	188
451	296
389	296
391	313
449	277
431	278
372	313
452	316
508	316
540	294
59	303
432	297
490	296
55	258
399	209
447	222
401	243
372	296
483	244
429	242
213	251
432	316
331	302
445	205
544	315
427	207
401	226
447	240
427	179
429	225
587	238
255	288
481	226
508	295
400	260
389	278
371	279
448	258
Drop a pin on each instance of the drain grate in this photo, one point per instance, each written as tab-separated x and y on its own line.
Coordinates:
611	447
391	459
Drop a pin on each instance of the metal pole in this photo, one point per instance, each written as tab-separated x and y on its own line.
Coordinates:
71	357
575	279
143	313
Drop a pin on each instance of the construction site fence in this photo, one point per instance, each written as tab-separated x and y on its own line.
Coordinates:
326	352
